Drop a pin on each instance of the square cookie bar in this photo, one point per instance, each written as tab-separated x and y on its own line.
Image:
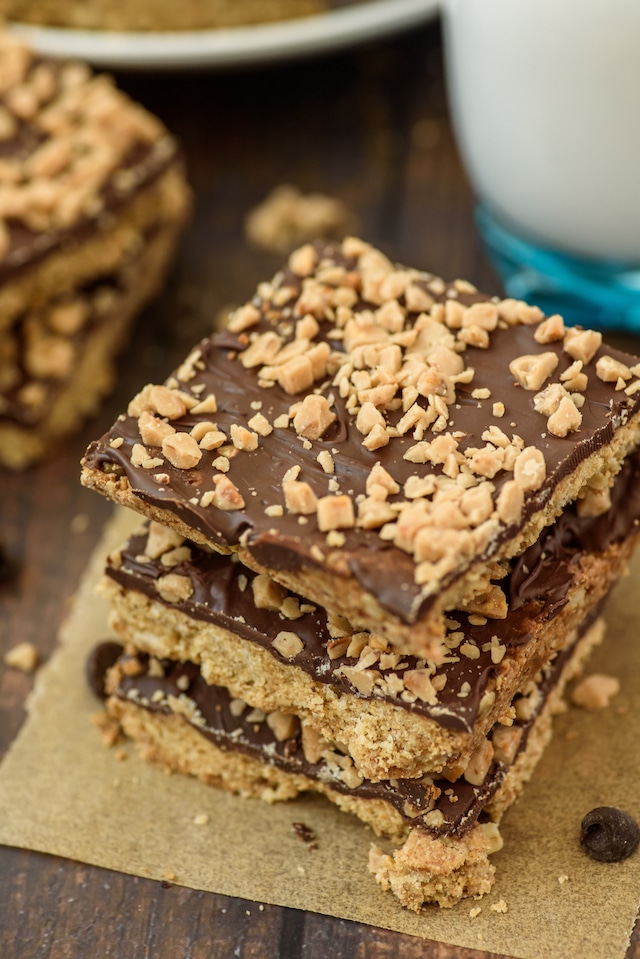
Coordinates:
379	442
92	198
447	829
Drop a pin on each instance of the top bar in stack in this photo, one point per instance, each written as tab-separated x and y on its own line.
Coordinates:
377	440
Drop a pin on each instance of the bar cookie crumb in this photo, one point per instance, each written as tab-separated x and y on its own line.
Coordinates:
24	657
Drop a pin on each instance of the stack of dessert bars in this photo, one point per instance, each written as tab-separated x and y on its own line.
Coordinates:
92	198
382	514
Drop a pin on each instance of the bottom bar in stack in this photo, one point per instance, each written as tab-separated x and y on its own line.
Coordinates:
183	724
227	677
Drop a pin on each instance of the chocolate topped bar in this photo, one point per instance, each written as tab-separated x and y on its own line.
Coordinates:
376	439
436	805
92	197
73	151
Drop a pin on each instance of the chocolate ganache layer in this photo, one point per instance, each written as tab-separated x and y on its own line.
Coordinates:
290	541
537	585
457	805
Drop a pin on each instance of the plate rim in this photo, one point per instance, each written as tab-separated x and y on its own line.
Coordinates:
232	46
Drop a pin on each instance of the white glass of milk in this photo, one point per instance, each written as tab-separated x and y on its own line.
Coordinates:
545	97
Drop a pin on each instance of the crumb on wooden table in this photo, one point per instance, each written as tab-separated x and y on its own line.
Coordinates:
24	657
288	217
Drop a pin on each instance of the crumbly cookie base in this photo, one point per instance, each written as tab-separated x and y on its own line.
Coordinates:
385	741
331	585
425	868
450	867
157	14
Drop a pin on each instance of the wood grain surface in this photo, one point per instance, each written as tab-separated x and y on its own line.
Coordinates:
370	126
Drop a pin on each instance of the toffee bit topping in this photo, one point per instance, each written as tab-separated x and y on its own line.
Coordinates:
288	644
161	539
243	439
174	588
153	430
181	450
531	371
313	417
550	330
610	370
159	400
207	405
582	344
335	512
299	497
243	318
529	469
566	418
226	495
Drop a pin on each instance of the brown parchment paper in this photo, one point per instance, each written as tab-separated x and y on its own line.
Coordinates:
61	792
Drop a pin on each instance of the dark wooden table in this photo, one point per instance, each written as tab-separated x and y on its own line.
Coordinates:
370	126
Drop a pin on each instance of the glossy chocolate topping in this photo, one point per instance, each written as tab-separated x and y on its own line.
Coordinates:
537	585
291	541
460	803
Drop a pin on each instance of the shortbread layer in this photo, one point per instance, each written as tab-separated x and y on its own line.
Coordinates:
377	440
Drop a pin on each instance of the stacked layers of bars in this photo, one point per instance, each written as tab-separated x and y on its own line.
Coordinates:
382	515
92	197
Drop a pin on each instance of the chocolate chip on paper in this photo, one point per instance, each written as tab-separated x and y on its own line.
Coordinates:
609	834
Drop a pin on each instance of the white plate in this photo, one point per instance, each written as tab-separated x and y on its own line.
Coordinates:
239	45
